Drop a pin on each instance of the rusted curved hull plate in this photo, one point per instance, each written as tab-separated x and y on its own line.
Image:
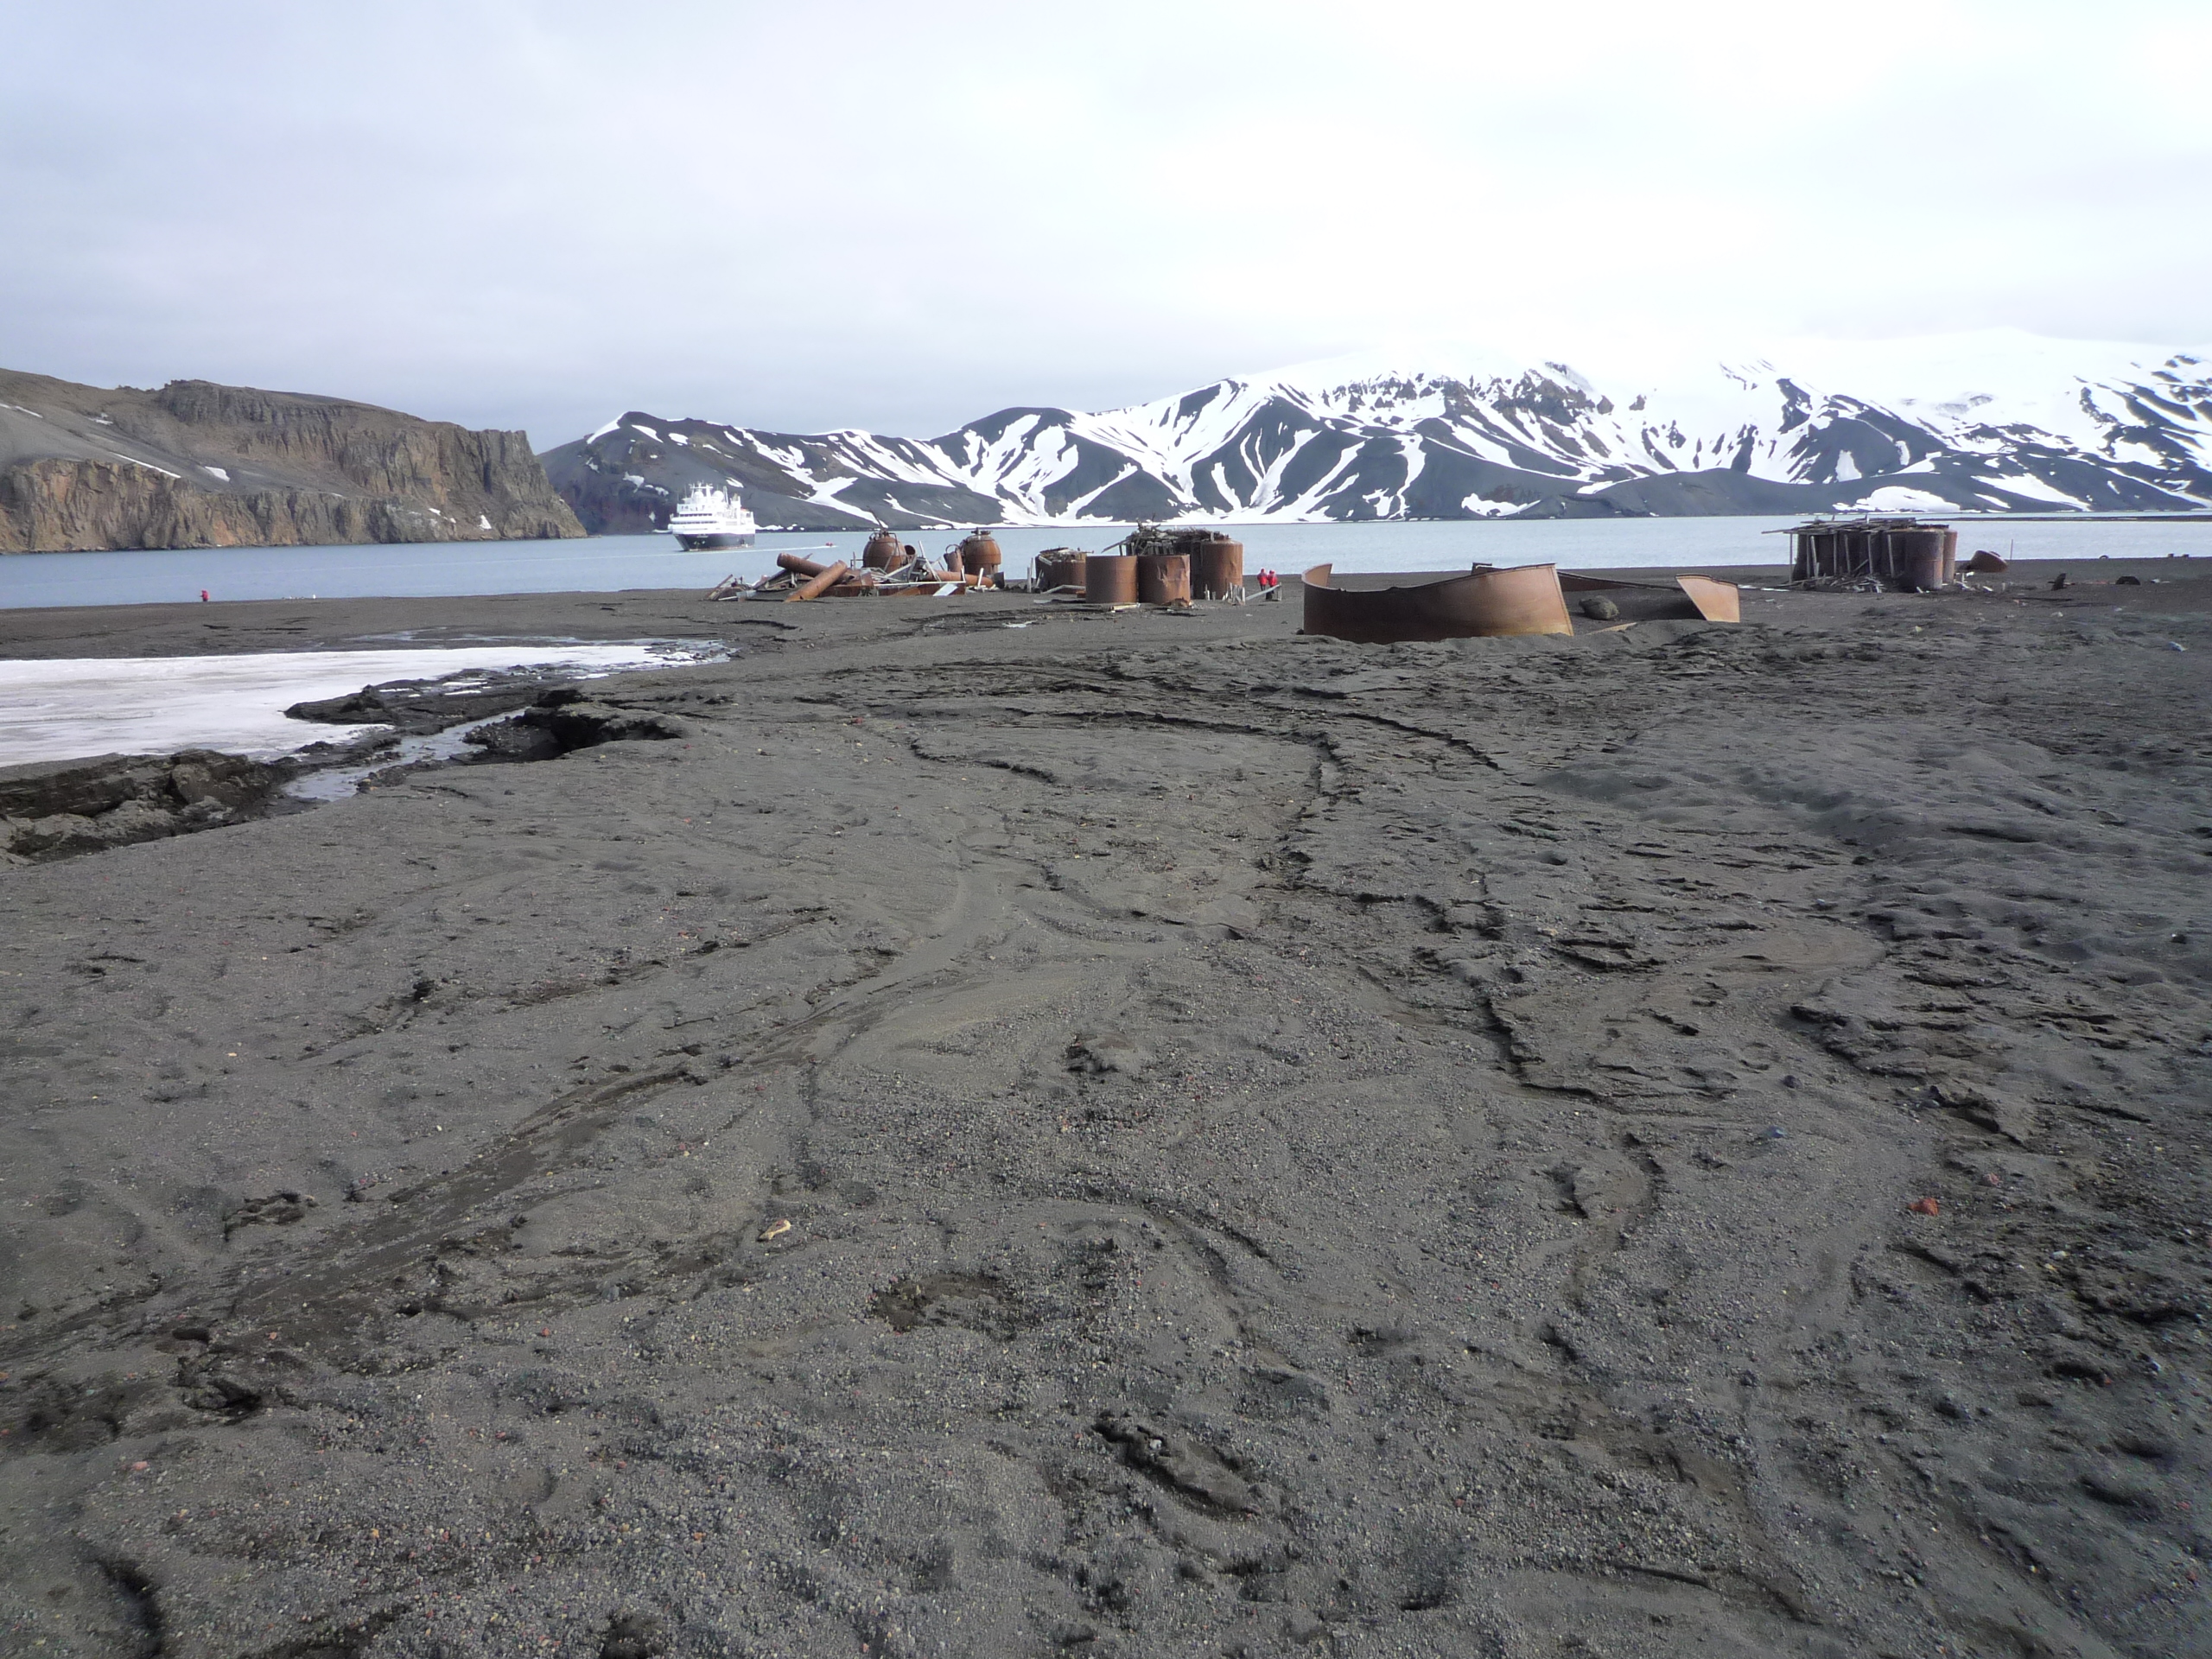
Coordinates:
1716	602
1483	605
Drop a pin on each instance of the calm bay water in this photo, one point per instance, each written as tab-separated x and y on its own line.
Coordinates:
609	563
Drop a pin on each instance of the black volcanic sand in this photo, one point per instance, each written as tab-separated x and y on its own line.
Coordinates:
1145	1136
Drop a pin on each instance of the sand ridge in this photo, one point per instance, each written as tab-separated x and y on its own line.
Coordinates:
1286	1147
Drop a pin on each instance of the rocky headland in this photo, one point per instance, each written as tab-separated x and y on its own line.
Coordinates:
199	465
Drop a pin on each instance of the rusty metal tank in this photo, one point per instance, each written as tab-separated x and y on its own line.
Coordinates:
1916	557
1059	567
884	552
1110	579
1217	565
979	553
1163	579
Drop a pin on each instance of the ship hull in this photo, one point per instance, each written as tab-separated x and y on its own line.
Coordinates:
695	543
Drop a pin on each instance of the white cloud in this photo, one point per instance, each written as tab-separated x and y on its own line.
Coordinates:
900	217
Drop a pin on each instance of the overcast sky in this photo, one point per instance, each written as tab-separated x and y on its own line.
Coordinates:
900	216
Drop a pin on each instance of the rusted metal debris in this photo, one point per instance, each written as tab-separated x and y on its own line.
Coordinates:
1648	601
1895	554
823	578
884	551
1057	568
798	577
1985	564
1481	605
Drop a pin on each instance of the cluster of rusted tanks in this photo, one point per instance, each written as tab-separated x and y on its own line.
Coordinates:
976	555
1151	565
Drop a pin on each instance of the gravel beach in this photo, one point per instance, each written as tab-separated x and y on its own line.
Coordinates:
993	1128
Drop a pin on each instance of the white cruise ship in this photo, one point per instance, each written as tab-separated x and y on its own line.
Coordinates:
711	518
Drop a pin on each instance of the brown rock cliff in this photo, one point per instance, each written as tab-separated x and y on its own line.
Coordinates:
199	465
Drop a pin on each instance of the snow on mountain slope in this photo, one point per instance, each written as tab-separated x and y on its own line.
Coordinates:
1999	421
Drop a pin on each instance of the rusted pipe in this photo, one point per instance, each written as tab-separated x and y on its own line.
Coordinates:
824	578
799	566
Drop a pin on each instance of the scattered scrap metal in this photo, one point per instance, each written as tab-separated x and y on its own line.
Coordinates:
889	570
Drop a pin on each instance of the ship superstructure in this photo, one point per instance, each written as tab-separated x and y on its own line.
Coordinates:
711	518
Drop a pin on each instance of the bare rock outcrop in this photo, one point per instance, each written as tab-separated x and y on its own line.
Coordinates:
57	809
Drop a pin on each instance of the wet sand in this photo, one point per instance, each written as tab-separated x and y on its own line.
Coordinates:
1143	1135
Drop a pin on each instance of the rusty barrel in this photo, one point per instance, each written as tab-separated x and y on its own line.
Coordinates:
1059	568
1110	579
1216	567
1916	557
1163	578
884	552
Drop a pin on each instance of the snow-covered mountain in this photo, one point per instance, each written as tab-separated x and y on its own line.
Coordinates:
1994	422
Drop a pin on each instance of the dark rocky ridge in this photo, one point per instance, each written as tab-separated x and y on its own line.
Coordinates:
199	465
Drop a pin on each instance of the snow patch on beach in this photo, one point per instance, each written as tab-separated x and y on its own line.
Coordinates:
74	706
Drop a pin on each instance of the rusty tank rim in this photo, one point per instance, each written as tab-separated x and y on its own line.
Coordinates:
1484	604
